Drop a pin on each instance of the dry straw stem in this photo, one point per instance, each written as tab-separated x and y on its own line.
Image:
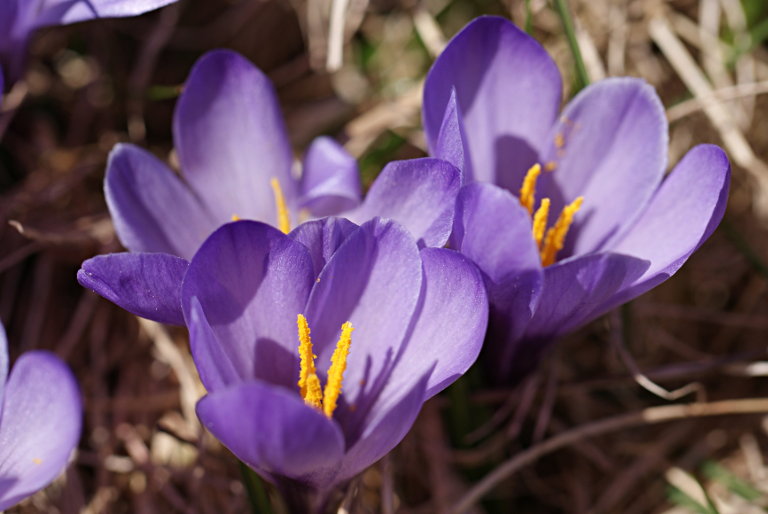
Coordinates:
733	139
649	416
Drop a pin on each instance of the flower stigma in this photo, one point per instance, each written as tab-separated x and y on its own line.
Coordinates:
283	221
553	241
309	383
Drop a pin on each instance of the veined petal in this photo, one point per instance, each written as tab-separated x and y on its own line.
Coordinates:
152	210
609	146
451	142
40	426
373	280
508	90
61	12
418	193
385	428
251	281
681	216
231	138
330	183
145	284
453	309
322	238
274	432
572	294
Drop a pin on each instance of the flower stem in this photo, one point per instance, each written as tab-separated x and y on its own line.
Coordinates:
582	77
257	493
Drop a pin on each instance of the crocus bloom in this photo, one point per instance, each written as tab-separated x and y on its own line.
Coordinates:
20	18
318	349
236	163
594	176
40	424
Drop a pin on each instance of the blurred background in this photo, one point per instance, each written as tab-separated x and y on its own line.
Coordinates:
353	69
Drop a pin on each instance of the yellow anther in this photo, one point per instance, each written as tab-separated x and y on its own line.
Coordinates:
528	189
235	217
314	396
283	221
540	221
336	371
555	238
306	357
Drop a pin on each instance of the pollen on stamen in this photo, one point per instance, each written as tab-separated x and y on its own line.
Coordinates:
235	217
336	371
559	140
528	189
540	221
550	166
555	238
306	355
283	220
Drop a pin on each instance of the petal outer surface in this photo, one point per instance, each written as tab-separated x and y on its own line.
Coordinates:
681	216
41	424
373	280
451	142
274	432
330	183
609	146
231	138
322	238
385	428
420	194
450	325
508	90
152	210
251	281
145	284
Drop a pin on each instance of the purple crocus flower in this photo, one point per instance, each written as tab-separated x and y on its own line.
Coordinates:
20	18
617	227
40	423
236	162
363	310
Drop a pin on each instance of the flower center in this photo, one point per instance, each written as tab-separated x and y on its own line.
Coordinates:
554	240
309	383
283	221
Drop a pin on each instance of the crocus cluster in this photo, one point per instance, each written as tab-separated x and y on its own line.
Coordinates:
19	19
40	423
319	338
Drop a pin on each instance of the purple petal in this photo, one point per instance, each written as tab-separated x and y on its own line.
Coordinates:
40	426
418	193
572	294
330	183
373	280
61	12
612	150
454	311
214	364
451	142
681	216
274	432
494	230
322	238
508	90
385	428
3	364
231	138
251	281
145	284
153	211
